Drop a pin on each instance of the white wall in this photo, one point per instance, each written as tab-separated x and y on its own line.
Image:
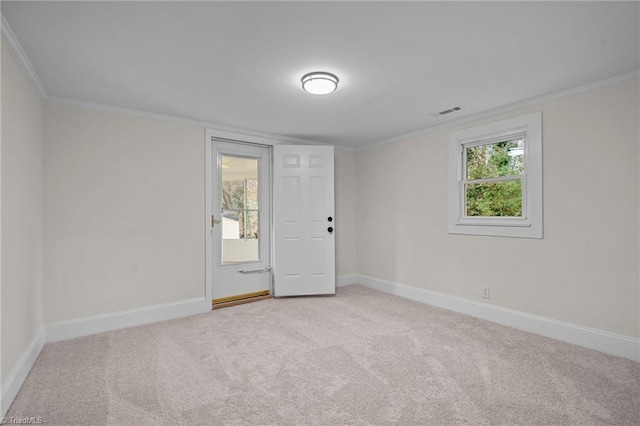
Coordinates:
345	195
21	215
124	212
584	271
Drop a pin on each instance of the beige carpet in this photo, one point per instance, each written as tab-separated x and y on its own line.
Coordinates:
362	357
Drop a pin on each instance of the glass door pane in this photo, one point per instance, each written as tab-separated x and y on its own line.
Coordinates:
240	209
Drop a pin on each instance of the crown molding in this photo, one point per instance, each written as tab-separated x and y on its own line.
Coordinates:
12	43
533	101
344	148
220	128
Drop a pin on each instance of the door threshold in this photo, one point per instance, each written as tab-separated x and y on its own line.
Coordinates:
240	299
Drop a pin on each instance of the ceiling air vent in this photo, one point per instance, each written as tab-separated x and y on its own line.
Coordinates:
445	112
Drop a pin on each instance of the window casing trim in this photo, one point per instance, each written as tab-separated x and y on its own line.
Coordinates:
529	225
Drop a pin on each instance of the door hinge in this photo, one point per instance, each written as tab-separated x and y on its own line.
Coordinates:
214	221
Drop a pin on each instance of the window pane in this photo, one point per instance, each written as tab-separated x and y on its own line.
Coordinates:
252	194
239	182
496	159
240	236
494	199
232	194
249	224
230	225
243	224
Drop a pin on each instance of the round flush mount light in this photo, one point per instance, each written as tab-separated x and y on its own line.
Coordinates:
319	83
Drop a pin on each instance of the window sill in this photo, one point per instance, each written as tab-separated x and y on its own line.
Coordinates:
497	230
515	223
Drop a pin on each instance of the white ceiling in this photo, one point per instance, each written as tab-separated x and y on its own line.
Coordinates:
239	63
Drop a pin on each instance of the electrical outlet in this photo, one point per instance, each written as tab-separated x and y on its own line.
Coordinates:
486	292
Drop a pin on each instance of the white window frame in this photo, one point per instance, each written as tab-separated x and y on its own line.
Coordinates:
529	225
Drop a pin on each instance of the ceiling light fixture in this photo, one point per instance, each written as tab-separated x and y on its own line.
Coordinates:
319	83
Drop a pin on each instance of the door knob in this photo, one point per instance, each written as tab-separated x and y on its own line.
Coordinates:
330	229
330	219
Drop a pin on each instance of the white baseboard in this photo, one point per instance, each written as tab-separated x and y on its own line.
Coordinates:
17	376
599	340
63	330
344	280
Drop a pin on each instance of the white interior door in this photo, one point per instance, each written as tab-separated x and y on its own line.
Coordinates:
304	233
241	220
